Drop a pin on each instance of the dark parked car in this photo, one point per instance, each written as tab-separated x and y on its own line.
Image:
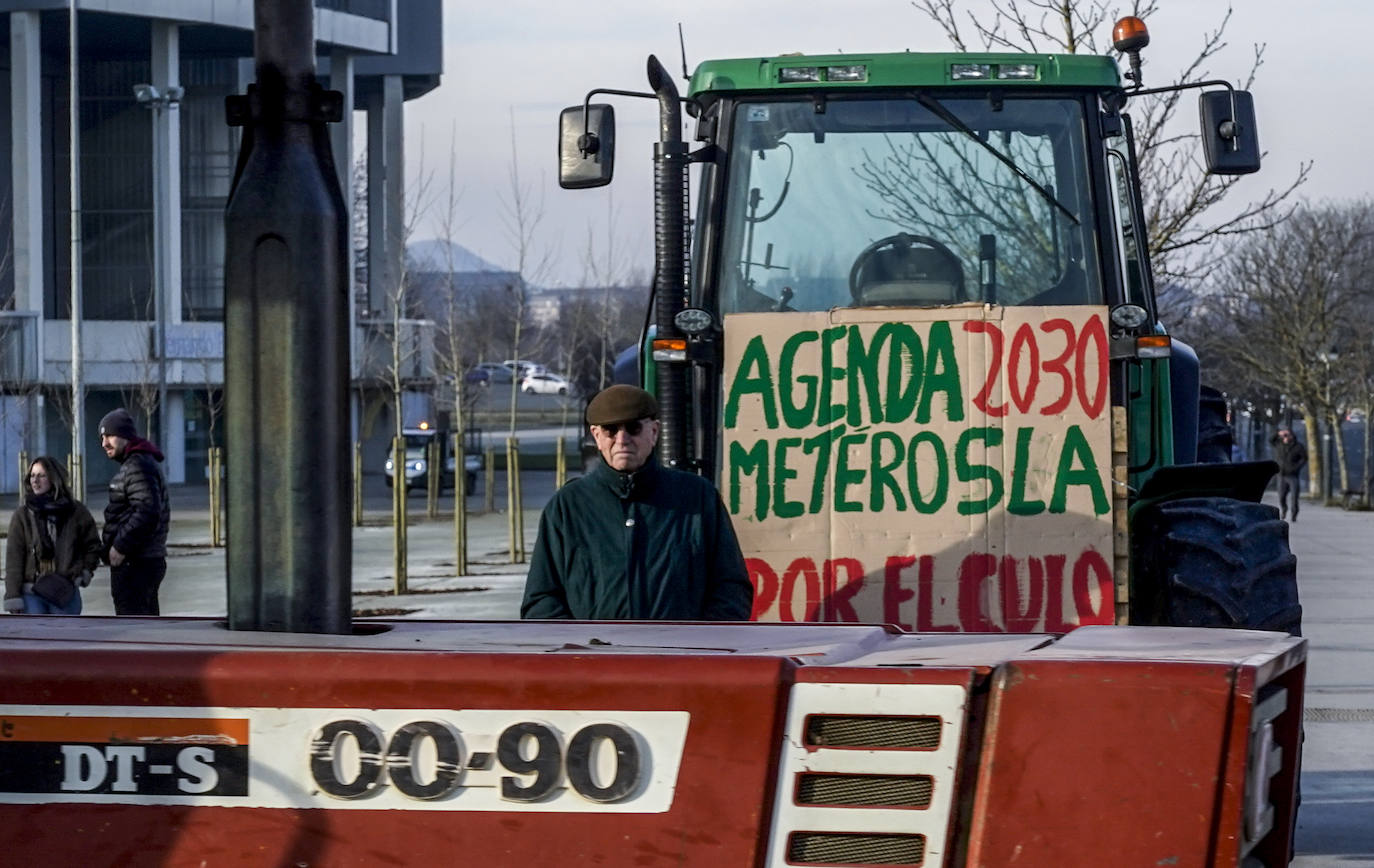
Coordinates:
489	373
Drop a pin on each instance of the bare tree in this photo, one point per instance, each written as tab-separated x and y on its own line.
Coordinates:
141	393
453	354
395	342
607	272
523	215
452	360
1297	312
1184	205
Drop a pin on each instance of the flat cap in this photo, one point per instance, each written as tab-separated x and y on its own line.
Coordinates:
621	403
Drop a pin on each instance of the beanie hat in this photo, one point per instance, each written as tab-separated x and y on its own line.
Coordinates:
118	423
621	403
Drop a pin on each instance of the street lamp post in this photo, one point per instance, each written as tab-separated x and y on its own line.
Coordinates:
157	101
1328	466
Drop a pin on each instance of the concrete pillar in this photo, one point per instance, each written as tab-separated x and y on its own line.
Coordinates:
166	75
26	125
341	141
341	134
175	465
385	193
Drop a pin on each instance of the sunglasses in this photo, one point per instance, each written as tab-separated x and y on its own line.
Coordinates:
631	428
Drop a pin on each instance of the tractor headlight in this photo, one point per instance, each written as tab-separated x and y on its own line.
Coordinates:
846	73
792	74
966	71
1018	71
1129	316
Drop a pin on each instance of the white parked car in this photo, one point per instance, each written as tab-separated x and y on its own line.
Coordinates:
545	384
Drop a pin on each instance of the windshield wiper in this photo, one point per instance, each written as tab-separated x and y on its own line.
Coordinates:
937	108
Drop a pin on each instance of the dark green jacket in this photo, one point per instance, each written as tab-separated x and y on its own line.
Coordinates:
653	545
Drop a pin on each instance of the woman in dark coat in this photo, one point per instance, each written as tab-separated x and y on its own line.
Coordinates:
52	533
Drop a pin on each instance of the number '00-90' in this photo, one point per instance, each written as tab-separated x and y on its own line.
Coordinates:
525	749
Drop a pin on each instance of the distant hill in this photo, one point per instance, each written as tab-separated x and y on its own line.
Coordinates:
432	257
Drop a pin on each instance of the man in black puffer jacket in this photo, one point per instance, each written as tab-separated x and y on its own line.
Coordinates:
1292	458
136	518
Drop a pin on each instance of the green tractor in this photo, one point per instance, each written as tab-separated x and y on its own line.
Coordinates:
912	333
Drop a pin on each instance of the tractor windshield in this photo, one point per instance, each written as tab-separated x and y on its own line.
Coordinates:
907	202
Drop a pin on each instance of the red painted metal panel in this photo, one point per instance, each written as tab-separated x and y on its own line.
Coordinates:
1110	746
1106	763
718	816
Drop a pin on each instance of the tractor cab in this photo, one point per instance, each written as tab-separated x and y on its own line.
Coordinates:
913	338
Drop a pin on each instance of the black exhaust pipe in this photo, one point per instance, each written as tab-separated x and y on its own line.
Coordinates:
670	263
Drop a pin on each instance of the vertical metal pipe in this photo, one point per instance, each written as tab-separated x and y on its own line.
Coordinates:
434	477
216	497
400	543
560	462
74	470
511	483
488	481
358	484
670	262
78	373
284	41
161	279
289	561
519	510
460	501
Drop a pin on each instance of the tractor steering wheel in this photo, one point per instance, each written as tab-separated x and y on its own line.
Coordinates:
901	240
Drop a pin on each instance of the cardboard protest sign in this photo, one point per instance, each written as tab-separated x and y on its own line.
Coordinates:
944	470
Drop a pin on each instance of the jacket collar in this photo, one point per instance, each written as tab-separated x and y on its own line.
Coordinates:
627	486
138	444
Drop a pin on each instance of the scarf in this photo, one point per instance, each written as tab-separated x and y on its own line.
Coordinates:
49	513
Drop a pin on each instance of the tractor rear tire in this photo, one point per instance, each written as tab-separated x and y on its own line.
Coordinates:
1215	562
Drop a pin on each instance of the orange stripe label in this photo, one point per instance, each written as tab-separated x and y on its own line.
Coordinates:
125	730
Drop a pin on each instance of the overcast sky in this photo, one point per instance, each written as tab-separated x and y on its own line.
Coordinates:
510	66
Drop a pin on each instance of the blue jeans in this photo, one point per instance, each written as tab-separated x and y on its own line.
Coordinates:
36	605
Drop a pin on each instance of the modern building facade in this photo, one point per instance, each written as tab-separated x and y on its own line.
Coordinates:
155	161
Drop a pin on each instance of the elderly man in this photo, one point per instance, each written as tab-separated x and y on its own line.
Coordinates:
634	540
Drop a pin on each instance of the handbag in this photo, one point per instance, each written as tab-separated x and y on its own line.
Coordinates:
55	588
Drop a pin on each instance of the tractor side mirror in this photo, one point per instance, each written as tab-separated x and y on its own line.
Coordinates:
1230	138
586	148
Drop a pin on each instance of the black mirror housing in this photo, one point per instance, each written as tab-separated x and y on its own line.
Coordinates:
1230	139
586	150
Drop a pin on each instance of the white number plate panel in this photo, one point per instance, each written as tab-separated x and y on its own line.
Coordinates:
342	758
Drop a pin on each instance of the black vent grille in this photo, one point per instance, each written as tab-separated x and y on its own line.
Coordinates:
817	848
873	791
912	733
